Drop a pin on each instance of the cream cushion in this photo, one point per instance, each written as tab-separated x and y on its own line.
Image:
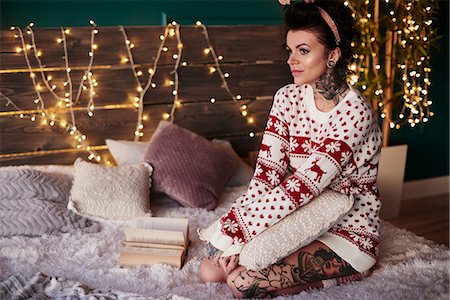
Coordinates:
295	231
111	193
126	153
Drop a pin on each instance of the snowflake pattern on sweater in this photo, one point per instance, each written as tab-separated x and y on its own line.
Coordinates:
304	151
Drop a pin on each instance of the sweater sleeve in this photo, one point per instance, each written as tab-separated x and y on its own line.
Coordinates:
338	148
273	157
271	167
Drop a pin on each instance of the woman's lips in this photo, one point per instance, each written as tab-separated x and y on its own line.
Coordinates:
296	72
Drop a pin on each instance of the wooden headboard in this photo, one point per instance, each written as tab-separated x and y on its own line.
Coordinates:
252	56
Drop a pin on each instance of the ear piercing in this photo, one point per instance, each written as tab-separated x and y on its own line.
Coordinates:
331	64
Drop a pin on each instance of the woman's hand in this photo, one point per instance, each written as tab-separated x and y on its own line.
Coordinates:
284	2
229	263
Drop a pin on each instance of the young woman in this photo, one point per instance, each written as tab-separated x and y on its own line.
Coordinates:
321	133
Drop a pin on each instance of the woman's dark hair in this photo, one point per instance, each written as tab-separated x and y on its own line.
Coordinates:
306	16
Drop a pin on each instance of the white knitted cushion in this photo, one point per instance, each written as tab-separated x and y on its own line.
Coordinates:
295	231
112	193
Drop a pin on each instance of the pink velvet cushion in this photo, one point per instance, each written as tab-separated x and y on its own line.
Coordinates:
188	167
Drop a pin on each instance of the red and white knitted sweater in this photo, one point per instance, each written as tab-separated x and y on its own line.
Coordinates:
304	151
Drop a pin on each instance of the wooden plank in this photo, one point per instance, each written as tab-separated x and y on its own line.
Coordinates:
244	48
221	119
120	87
67	158
236	43
14	131
242	146
427	217
241	43
110	41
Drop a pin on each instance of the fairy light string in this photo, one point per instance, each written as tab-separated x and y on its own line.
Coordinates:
88	75
50	116
37	55
142	89
177	57
46	79
39	99
415	32
412	38
217	68
69	94
71	98
366	68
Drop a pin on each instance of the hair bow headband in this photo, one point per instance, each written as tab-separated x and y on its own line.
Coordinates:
326	17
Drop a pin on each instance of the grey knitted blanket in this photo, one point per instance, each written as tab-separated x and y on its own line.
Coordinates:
41	286
33	203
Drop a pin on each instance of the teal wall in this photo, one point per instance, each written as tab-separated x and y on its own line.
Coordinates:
140	12
428	151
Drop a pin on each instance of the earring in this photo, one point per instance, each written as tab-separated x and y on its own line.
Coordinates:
331	64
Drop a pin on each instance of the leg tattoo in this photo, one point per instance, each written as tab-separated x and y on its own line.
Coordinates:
264	283
299	268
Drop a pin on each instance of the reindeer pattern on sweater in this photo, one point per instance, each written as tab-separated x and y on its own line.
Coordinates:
304	151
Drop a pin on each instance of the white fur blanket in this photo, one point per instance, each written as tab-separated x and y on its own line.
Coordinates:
410	267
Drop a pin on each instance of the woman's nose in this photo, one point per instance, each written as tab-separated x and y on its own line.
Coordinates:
292	59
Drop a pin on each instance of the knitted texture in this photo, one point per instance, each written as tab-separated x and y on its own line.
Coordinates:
295	231
112	193
33	203
304	151
188	167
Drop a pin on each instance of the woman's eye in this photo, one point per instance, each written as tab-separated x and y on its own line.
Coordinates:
304	51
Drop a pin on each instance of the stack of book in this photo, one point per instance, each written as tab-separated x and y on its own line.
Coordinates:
155	240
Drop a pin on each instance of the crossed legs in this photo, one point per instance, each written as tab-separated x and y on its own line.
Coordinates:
310	267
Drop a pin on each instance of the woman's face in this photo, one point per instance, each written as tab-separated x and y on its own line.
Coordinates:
307	56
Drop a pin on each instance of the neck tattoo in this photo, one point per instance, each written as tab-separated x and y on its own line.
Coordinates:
330	87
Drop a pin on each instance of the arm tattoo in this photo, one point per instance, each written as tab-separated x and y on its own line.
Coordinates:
331	87
323	264
211	250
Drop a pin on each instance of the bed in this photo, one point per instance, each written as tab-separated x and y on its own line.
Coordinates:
85	265
81	261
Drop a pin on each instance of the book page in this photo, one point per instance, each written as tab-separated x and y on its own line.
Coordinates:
171	224
166	224
152	245
154	236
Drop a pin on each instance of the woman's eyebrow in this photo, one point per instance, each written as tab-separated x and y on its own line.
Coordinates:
299	45
302	44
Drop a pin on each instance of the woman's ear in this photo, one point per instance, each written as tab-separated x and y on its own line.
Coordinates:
335	54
